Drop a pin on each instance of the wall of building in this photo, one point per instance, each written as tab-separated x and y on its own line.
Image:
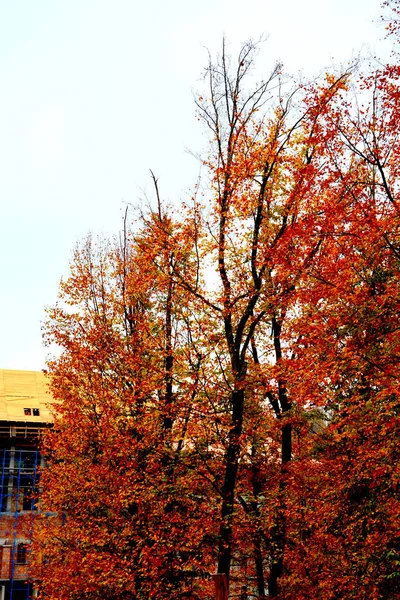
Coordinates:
24	413
21	392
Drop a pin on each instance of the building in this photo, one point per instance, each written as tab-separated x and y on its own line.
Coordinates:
24	413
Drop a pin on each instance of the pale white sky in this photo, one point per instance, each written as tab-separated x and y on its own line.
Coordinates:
95	92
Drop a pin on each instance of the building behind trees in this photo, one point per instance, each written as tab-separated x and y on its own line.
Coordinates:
23	416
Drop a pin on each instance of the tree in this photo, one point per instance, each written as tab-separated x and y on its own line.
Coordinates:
269	180
347	517
226	396
118	481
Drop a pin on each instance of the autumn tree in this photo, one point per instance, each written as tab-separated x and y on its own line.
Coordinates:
114	474
269	183
125	370
226	396
348	510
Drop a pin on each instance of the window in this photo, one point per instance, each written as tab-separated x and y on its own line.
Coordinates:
27	411
6	480
21	554
18	479
36	412
26	497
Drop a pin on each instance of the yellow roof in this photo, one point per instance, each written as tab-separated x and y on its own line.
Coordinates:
24	396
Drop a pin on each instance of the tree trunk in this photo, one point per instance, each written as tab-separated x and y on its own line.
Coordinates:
221	586
278	532
259	566
228	490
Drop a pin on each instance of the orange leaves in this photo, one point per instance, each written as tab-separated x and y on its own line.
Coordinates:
227	391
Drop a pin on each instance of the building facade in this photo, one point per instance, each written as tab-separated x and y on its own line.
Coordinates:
24	413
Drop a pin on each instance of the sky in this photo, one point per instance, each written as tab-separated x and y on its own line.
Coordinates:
94	93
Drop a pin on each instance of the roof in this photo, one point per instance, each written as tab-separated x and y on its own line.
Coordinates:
24	397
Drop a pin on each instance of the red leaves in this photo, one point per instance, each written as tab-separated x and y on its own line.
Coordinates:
250	421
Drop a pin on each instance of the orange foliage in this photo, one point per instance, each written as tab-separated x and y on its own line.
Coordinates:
227	391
